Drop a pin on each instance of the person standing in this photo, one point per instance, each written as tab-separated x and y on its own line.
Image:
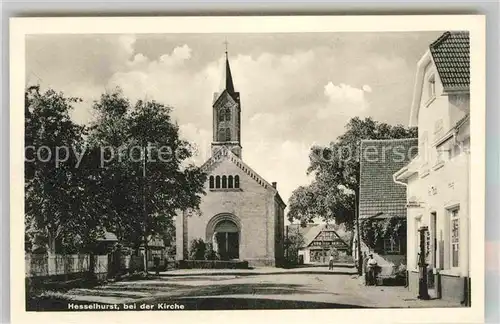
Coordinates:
372	268
330	262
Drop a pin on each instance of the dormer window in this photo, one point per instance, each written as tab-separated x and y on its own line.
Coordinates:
431	84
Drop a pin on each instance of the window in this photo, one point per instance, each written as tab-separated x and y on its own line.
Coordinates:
455	237
222	115
431	87
392	246
227	114
222	135
442	154
228	135
224	182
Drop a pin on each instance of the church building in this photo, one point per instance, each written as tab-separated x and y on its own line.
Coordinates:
242	214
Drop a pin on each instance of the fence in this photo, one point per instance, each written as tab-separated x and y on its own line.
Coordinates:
41	265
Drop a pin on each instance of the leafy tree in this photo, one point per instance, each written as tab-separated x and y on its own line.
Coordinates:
373	231
334	191
294	241
56	204
142	178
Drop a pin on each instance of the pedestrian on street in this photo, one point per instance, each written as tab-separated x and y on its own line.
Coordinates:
157	265
372	268
330	262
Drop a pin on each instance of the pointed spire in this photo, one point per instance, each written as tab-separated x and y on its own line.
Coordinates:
227	78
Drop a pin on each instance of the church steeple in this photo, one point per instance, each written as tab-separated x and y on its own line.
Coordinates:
227	113
227	78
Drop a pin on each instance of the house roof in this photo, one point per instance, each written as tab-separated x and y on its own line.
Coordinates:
379	195
450	53
311	231
108	237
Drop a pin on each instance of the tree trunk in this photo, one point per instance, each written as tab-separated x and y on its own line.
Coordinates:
51	244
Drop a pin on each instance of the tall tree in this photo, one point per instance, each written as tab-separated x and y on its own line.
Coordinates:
333	194
143	180
55	204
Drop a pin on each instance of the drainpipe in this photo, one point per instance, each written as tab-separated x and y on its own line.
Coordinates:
466	292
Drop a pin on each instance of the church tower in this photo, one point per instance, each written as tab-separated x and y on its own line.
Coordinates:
226	110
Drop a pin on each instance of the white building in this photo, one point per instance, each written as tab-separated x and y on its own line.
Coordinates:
437	178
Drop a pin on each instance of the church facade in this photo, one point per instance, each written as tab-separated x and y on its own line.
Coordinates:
242	214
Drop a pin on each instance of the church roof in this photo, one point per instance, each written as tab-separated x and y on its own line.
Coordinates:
227	84
223	153
227	78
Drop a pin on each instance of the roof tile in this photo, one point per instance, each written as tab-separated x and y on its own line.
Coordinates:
380	159
451	56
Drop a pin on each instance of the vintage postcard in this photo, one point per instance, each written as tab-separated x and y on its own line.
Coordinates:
314	166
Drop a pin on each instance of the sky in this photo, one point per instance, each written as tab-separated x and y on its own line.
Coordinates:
297	89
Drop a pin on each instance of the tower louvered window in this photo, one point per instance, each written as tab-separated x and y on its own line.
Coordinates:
222	135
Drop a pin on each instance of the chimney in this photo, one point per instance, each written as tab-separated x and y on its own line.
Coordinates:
274	185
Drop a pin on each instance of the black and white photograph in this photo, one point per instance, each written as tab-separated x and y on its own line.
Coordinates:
168	171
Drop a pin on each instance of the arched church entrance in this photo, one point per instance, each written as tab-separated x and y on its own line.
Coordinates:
224	233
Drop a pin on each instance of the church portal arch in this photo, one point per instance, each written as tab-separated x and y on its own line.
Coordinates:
224	232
